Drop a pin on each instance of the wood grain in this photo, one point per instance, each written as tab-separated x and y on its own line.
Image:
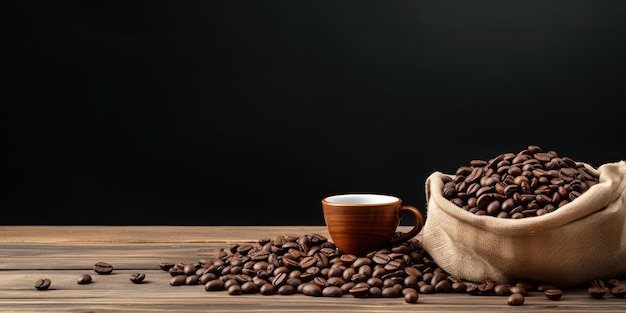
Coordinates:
62	253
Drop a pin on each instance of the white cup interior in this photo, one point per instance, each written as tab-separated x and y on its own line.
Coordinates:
361	199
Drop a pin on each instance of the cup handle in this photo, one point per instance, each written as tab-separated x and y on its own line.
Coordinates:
418	220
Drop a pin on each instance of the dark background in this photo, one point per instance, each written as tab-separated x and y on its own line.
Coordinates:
248	113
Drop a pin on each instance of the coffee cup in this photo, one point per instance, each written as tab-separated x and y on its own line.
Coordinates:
362	223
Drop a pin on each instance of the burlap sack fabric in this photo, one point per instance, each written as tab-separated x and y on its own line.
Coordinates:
581	241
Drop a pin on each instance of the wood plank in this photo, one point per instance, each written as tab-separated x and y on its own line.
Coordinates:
62	253
115	293
152	234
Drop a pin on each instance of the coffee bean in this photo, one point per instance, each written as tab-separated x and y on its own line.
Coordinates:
311	289
234	290
618	290
42	283
214	285
103	268
515	299
137	278
411	297
166	265
175	271
391	292
178	280
249	288
189	269
192	279
280	279
84	279
360	290
553	294
230	282
332	291
307	262
286	290
518	289
596	292
267	289
502	290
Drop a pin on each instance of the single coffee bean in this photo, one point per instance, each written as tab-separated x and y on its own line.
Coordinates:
42	283
311	289
515	299
84	279
175	271
426	289
518	289
347	287
234	290
553	294
360	290
189	269
249	287
178	280
459	286
230	282
391	292
501	290
103	268
596	292
166	265
286	290
375	292
280	279
214	285
411	297
192	279
137	278
267	289
206	277
618	291
332	291
335	281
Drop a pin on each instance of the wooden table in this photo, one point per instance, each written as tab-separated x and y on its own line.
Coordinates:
62	253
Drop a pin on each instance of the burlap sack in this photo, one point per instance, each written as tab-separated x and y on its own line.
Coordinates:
581	241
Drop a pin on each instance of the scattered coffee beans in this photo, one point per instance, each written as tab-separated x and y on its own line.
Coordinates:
84	279
42	284
517	185
103	268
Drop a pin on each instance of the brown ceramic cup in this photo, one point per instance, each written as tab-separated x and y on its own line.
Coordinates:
362	223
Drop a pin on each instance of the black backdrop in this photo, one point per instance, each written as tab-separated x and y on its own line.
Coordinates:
248	113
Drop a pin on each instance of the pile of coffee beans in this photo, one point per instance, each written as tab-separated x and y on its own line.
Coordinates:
517	185
312	265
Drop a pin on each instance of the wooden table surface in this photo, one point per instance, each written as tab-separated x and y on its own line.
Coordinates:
63	253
